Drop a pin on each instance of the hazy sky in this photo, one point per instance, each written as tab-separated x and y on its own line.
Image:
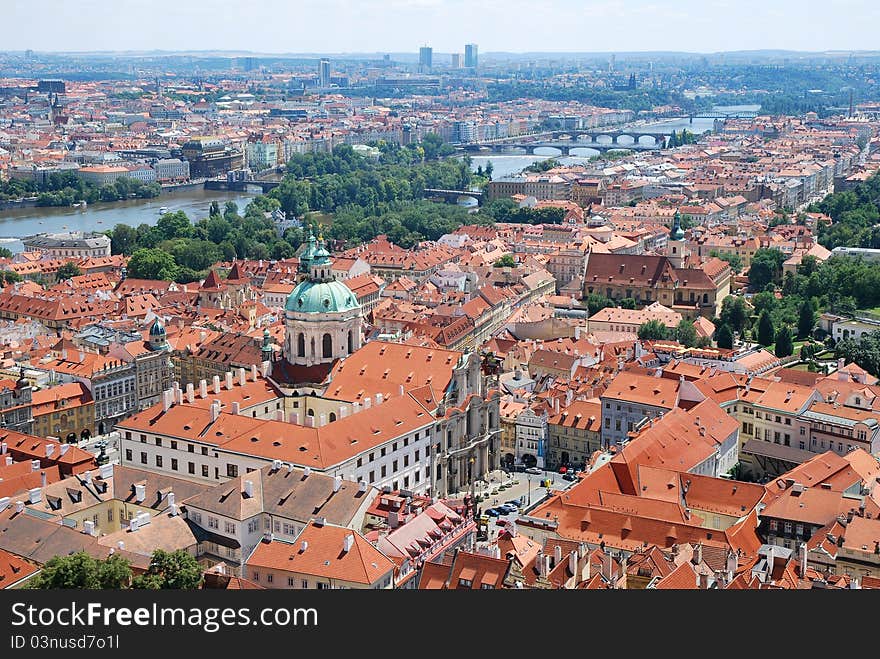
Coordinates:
312	26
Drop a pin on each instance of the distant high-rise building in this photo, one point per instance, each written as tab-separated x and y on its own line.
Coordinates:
324	73
470	55
456	60
425	55
29	54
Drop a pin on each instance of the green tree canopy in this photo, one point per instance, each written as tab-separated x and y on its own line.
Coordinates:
506	261
766	333
653	330
152	264
734	312
82	571
765	268
784	344
806	319
724	337
686	333
175	570
68	270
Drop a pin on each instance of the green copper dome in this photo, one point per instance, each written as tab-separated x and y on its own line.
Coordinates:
676	233
321	297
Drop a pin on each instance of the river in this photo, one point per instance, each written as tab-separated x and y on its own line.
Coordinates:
506	165
195	202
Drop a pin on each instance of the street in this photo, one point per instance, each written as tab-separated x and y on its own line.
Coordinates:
92	445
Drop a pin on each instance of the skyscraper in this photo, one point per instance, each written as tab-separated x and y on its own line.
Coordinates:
324	73
456	60
470	55
425	54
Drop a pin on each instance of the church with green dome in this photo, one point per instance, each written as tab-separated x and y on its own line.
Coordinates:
322	316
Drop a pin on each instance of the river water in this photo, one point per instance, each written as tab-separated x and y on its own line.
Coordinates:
508	164
195	202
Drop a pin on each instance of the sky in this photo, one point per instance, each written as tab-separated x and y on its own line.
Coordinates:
397	26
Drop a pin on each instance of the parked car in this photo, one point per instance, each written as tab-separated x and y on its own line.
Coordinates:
507	508
563	469
533	470
516	503
501	522
569	476
493	512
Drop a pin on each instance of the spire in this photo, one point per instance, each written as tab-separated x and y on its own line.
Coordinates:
212	280
677	233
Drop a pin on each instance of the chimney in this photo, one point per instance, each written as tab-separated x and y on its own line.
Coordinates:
236	407
249	489
540	564
9	460
303	546
378	399
265	367
215	411
557	555
229	379
88	527
4	504
87	477
307	471
254	372
134	523
698	554
120	545
203	389
276	465
106	471
367	403
202	336
216	383
362	486
289	467
802	555
43	479
573	562
190	393
35	465
82	356
19	507
241	379
35	495
173	510
171	498
337	483
50	449
140	492
3	448
348	543
400	390
63	449
166	400
179	396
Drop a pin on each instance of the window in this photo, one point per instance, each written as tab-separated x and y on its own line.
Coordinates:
229	527
290	581
191	448
213	523
109	514
803	431
801	445
191	467
486	586
174	445
406	461
465	583
255	576
778	419
394	465
143	439
204	450
416	458
174	464
787	421
382	452
372	476
788	528
383	471
143	458
158	441
128	455
372	457
394	446
305	584
197	517
204	471
232	470
799	529
774	525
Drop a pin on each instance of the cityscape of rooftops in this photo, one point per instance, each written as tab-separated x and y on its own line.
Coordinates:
440	296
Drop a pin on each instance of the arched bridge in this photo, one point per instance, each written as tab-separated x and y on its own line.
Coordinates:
453	196
240	186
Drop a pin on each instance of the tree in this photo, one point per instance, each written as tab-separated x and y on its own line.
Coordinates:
733	313
686	333
765	329
653	330
628	303
123	239
215	209
489	169
68	270
765	268
506	261
174	225
784	345
152	264
596	302
724	337
175	570
5	253
806	319
82	571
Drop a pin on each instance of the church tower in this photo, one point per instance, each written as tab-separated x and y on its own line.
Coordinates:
323	319
676	247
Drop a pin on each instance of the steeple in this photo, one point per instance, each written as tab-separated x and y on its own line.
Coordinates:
305	258
677	233
266	349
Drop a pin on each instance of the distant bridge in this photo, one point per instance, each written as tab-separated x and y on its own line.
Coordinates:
240	186
565	148
453	196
